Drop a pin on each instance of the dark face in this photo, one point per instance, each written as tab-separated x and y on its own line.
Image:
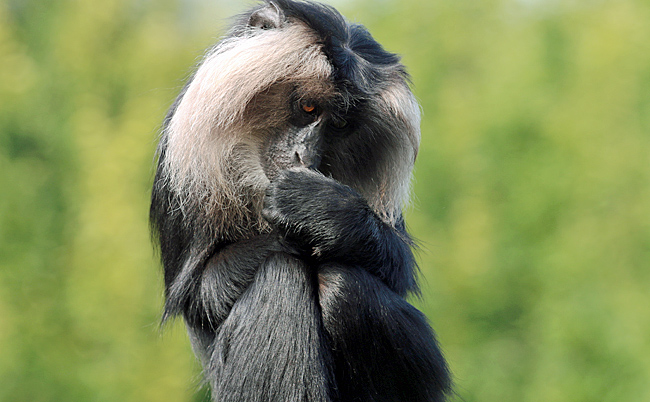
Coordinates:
313	130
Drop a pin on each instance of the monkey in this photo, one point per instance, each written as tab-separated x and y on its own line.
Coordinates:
283	167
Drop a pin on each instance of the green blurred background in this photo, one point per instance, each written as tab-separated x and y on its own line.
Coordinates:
531	196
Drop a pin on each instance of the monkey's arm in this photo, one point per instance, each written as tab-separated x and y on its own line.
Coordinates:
381	344
203	275
335	223
205	291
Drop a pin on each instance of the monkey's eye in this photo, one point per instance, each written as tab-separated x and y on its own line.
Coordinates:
339	123
305	112
308	107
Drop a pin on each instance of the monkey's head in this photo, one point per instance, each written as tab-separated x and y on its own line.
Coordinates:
293	85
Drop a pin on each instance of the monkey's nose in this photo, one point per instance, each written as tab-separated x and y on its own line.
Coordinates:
307	148
308	158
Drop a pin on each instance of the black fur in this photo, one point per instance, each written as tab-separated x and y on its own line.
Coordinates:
336	224
315	309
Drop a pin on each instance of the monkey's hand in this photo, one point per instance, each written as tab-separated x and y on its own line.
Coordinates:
330	221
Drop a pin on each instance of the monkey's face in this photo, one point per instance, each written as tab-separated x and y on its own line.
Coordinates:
312	129
300	144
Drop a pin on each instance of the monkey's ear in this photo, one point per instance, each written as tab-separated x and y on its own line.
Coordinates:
267	17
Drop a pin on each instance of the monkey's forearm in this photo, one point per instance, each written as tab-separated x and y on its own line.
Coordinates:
205	295
335	223
362	239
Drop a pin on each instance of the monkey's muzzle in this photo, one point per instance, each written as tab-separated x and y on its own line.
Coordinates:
295	147
306	147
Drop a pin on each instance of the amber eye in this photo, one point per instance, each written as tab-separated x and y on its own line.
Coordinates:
308	107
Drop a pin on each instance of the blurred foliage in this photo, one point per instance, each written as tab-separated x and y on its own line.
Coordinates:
532	192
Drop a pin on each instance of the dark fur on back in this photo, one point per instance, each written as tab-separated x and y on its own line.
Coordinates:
292	280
